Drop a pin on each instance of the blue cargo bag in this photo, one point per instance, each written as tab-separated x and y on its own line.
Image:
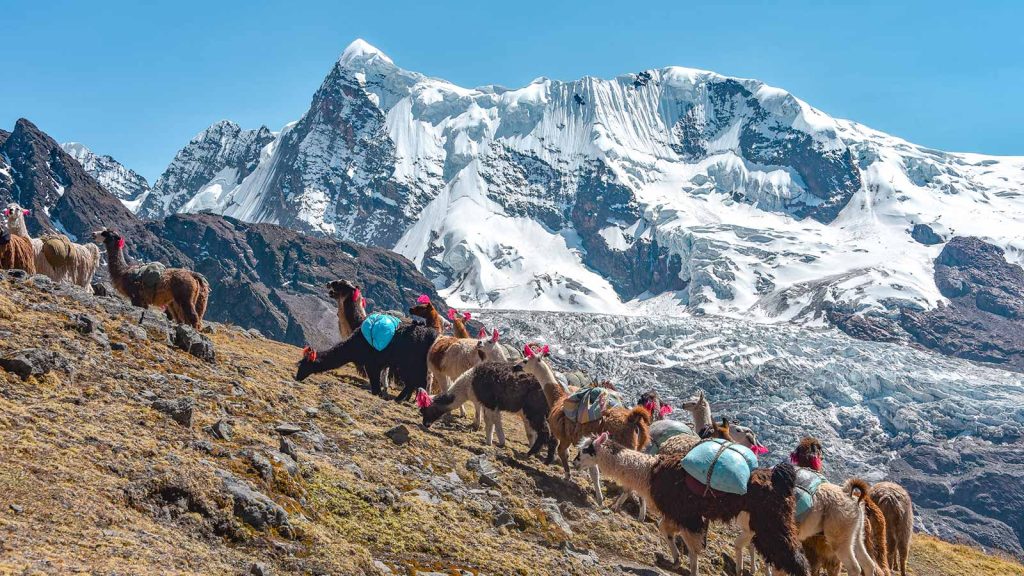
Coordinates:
807	482
727	464
379	329
588	404
663	430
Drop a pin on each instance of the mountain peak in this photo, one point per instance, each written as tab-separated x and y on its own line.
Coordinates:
360	51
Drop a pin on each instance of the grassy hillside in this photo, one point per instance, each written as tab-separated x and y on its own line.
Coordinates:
94	478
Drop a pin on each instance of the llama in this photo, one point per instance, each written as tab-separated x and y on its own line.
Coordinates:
451	356
405	358
834	512
351	306
499	387
821	555
183	293
459	322
700	409
424	308
16	252
898	510
55	255
627	426
661	481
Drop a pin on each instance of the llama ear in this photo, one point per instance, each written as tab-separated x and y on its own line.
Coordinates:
357	295
601	439
528	351
665	410
423	399
545	351
120	243
494	335
482	334
451	314
423	299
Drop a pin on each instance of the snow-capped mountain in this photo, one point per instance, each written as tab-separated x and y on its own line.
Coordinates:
120	181
658	191
217	159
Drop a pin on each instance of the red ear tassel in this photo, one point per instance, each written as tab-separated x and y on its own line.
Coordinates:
423	399
309	354
451	314
816	463
423	299
120	243
545	350
362	302
26	212
357	295
494	335
650	406
528	351
7	211
482	334
665	410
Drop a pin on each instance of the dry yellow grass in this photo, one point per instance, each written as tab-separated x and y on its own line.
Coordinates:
107	485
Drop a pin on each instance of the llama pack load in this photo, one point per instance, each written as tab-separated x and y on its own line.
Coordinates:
588	404
379	329
807	483
720	465
663	430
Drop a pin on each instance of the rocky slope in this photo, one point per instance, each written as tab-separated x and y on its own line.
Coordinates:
262	276
722	195
120	181
124	455
951	431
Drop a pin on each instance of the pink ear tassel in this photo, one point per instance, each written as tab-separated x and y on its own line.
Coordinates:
466	316
423	399
120	243
528	351
7	211
26	212
451	314
665	410
816	462
759	450
423	299
650	406
545	351
494	336
482	334
357	295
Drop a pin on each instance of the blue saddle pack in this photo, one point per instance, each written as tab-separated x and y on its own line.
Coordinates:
587	404
807	483
379	329
727	465
663	430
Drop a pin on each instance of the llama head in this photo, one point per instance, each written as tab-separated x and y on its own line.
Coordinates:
432	408
14	212
306	365
488	349
343	289
423	308
808	454
534	361
108	238
586	454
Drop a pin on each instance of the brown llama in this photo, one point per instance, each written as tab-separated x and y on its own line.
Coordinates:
660	479
459	322
351	306
56	257
894	502
424	308
821	555
16	253
183	293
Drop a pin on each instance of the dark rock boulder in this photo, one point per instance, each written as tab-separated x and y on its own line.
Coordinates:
180	410
35	362
253	507
196	344
924	234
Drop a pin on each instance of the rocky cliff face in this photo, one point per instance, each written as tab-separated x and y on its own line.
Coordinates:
262	276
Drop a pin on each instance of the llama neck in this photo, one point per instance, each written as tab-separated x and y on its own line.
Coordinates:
629	468
116	263
459	328
460	392
434	321
701	415
353	313
553	390
18	227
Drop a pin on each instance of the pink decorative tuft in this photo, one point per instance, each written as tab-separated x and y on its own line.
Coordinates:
26	212
7	211
816	463
759	449
650	406
423	299
466	316
665	410
423	399
357	295
528	351
545	351
494	335
120	243
451	314
482	334
362	302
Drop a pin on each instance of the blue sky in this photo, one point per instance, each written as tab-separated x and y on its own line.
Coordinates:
137	82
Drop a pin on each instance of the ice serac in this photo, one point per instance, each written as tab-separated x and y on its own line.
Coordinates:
658	191
214	162
120	181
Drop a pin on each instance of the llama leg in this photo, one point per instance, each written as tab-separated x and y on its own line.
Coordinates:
595	478
621	500
742	541
563	455
694	548
842	540
488	426
476	415
643	509
500	429
668	531
861	552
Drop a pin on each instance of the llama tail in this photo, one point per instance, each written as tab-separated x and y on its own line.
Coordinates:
855	485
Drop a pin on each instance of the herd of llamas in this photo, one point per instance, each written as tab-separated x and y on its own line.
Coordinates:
853	526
